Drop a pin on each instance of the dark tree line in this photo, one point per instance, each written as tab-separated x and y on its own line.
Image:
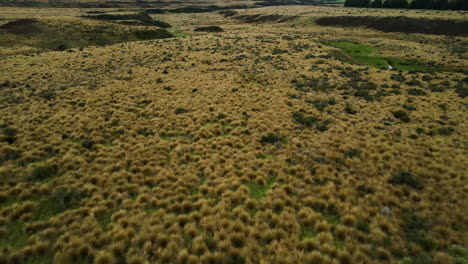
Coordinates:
413	4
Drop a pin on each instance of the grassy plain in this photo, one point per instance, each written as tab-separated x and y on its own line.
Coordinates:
272	142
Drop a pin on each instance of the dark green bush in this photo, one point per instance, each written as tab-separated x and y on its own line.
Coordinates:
415	91
350	110
9	135
180	110
87	144
402	115
363	226
415	227
47	94
445	131
10	154
406	178
66	198
436	88
272	138
308	121
409	107
352	152
413	82
398	77
321	104
364	94
461	89
43	172
145	132
308	84
323	126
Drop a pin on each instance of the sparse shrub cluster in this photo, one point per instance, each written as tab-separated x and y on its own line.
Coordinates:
406	178
311	121
8	134
272	138
401	115
43	172
308	84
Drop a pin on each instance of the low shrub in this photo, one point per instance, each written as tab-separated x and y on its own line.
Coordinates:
9	135
402	115
180	110
416	92
272	138
66	198
43	172
406	178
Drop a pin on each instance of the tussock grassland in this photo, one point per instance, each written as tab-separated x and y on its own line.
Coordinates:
264	143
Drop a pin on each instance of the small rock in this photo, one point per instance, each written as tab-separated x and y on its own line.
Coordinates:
386	211
299	127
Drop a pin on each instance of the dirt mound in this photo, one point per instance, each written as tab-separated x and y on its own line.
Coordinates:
400	24
266	18
22	26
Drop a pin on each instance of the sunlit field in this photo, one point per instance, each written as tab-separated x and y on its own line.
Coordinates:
275	138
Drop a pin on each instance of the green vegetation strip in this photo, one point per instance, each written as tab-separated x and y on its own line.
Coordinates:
363	54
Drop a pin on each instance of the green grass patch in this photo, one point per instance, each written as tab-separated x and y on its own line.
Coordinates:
16	236
257	191
332	219
188	241
43	172
354	49
105	221
151	209
362	54
306	232
47	209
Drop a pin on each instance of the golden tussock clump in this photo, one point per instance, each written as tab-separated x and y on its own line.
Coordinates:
349	220
316	257
62	257
321	226
324	238
184	257
137	260
198	247
309	245
104	257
